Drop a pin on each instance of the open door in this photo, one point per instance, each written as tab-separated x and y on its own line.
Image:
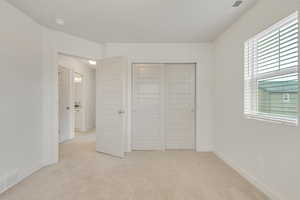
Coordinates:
65	81
111	105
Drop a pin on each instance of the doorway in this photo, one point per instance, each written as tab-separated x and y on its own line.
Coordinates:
77	102
163	106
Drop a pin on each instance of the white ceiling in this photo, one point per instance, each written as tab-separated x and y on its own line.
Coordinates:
136	20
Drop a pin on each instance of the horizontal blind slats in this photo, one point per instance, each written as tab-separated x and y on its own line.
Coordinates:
271	72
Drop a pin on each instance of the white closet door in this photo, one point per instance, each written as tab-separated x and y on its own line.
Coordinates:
180	106
148	116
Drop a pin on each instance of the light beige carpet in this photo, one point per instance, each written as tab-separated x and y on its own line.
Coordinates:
81	133
83	174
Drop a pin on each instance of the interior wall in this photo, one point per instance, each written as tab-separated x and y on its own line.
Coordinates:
29	91
21	95
179	52
264	151
89	85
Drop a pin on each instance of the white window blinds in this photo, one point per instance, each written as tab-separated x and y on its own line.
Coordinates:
271	72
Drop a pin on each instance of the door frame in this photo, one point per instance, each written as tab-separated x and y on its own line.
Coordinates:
131	62
53	145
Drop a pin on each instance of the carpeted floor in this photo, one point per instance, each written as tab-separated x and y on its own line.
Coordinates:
83	174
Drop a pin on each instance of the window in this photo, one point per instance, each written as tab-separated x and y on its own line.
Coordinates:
271	73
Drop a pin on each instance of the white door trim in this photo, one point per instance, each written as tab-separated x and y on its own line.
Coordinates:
131	62
50	121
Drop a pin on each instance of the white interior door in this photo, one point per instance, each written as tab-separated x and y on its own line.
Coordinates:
180	106
111	105
147	107
66	125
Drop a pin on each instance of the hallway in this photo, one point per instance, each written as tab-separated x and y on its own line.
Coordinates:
83	174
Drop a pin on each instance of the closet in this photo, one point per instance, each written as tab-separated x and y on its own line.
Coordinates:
163	106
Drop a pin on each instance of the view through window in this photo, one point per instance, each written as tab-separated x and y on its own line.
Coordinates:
271	72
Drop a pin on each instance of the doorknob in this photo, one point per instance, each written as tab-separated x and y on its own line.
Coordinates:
68	108
120	112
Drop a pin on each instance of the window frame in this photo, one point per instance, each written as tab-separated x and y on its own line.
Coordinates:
251	81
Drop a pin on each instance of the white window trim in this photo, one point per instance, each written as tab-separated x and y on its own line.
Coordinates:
277	120
264	116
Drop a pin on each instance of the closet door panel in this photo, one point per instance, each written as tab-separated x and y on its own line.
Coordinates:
180	106
147	107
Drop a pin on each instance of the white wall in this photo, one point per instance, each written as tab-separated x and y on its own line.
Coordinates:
179	52
89	85
267	152
21	95
29	92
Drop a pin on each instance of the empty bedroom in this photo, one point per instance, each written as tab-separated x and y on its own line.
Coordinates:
149	100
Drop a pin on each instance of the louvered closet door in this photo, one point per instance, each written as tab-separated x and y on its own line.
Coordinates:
147	114
180	106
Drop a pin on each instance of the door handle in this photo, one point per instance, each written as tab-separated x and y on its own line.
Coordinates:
68	108
120	112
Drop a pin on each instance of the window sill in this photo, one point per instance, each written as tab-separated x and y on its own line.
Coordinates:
286	122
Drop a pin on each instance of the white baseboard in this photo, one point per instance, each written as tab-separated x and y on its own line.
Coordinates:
205	149
261	186
63	140
19	176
